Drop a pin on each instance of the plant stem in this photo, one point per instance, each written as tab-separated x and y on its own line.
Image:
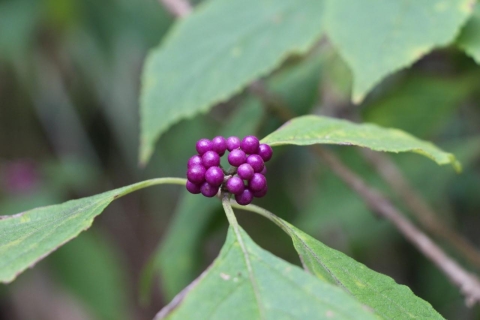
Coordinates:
264	213
228	210
153	182
422	211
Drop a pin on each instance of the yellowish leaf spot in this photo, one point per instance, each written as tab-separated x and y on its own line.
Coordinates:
224	276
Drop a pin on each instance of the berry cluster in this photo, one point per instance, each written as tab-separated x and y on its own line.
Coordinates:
246	179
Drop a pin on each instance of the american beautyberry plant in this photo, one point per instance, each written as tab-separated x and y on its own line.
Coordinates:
227	49
264	285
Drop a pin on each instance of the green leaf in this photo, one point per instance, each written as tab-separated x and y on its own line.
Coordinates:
381	293
377	37
217	51
28	237
297	85
309	130
470	37
247	282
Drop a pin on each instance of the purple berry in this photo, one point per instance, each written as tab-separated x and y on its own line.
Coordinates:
195	160
208	190
203	145
219	145
210	159
244	198
250	144
256	162
245	171
235	185
214	176
264	171
196	174
192	187
237	157
257	183
261	193
233	143
265	151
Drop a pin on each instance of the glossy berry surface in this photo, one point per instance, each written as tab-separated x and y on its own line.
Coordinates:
244	198
265	151
237	157
233	143
195	160
261	193
258	182
256	162
235	185
250	144
214	176
264	171
203	145
210	159
245	171
245	178
219	145
193	188
196	174
208	190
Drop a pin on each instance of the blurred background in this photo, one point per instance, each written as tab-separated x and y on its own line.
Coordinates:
69	88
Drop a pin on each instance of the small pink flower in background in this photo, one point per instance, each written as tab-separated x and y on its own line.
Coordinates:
19	176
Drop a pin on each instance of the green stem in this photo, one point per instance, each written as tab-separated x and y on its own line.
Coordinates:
264	213
227	206
169	180
152	182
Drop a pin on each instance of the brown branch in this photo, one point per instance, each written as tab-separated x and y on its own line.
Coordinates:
468	283
178	8
419	207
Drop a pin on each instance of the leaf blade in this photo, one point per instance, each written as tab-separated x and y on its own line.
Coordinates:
403	32
285	291
308	130
380	292
28	237
469	39
193	84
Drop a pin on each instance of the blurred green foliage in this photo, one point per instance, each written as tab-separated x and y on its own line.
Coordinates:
69	87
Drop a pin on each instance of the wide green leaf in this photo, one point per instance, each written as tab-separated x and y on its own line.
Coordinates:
215	52
381	293
309	130
378	37
27	237
247	282
470	37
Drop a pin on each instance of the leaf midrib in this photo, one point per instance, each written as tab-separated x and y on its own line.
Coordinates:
251	275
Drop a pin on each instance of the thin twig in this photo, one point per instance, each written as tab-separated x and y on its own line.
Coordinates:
178	8
468	283
419	207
